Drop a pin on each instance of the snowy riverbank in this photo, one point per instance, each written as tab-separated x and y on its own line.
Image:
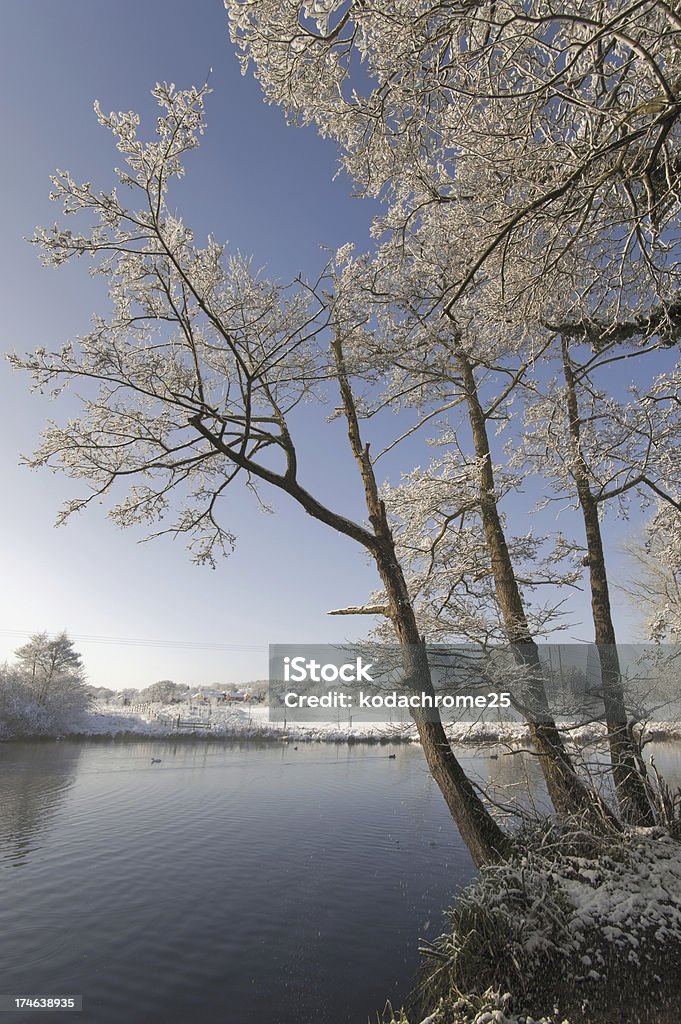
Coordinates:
574	929
251	721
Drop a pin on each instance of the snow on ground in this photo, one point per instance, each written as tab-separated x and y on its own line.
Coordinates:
626	896
246	721
252	721
242	721
571	917
491	1008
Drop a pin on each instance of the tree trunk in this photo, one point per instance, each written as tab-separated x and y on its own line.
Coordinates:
480	832
568	793
630	788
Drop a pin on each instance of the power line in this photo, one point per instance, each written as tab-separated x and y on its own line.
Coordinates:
122	641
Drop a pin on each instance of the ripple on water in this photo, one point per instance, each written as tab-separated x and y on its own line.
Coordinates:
223	884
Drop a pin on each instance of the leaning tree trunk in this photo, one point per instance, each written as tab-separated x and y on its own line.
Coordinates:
480	832
630	787
568	793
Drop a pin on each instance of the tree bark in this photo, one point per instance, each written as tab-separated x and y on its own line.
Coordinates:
480	832
630	788
568	793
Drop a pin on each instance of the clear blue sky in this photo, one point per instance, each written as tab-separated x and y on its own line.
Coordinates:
265	187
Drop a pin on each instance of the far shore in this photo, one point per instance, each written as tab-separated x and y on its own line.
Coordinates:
250	722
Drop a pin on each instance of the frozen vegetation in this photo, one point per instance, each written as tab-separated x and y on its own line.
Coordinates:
43	692
21	716
570	927
252	720
68	711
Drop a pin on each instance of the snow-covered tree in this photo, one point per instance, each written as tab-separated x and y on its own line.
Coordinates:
165	690
100	693
195	378
44	692
441	538
129	694
527	158
603	451
52	669
543	139
653	580
464	374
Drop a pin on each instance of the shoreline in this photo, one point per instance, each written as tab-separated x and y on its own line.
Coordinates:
251	723
571	908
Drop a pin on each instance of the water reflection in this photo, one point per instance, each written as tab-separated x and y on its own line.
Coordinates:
231	882
31	792
667	759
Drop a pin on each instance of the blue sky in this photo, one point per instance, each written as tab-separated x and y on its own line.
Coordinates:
268	189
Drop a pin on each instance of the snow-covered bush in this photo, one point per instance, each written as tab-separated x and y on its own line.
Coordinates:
567	920
22	714
489	1008
165	691
44	694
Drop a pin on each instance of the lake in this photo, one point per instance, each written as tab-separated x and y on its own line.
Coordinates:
230	882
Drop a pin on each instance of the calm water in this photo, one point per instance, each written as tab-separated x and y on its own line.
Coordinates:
228	883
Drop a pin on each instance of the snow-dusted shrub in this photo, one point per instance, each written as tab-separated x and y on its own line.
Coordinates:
489	1008
567	919
25	712
14	704
165	691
